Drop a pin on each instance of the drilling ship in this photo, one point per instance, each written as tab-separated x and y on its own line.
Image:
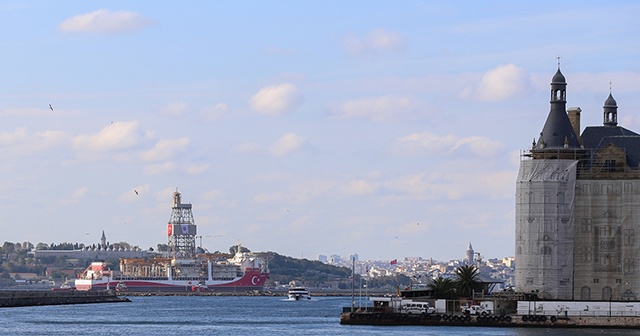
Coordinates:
182	269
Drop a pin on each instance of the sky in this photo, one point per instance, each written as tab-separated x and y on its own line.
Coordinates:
387	129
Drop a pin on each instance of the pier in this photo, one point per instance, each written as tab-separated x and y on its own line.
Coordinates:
511	321
10	298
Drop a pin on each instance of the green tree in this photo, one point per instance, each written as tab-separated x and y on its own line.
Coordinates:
58	275
443	288
8	248
42	246
467	281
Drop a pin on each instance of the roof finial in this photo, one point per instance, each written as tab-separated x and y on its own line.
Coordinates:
610	82
559	57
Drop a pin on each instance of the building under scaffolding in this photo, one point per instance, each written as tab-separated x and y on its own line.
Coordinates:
578	207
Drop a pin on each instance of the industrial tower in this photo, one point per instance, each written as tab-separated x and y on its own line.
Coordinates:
181	230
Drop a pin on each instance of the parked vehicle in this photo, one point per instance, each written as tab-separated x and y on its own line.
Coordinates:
417	308
484	308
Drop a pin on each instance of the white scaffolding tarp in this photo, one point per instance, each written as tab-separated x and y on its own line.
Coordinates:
545	198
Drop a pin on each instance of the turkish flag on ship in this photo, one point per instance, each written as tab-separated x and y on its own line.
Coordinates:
169	229
393	262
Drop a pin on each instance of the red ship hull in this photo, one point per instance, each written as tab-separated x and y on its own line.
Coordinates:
252	280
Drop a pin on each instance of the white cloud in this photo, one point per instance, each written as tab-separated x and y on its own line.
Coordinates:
196	169
80	192
176	109
165	149
105	22
247	147
160	168
276	99
377	108
375	42
273	197
298	193
454	184
213	195
503	82
20	142
360	187
119	135
213	113
428	142
287	143
76	195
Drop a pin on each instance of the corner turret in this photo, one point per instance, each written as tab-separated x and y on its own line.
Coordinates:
610	112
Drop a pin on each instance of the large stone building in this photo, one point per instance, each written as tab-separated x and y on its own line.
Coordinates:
578	207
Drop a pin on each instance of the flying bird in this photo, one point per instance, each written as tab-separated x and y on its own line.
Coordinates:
135	191
50	107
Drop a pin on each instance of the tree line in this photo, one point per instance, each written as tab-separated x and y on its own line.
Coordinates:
464	285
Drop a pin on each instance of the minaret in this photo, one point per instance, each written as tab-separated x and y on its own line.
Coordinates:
470	254
610	111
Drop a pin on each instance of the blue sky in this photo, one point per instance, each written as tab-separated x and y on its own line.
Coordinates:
387	129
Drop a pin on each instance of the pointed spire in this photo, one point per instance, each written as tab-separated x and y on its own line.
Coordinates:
558	131
610	110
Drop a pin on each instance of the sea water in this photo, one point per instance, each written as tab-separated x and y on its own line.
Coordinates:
227	315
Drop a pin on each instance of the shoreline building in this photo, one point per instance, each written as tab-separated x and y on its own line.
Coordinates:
578	207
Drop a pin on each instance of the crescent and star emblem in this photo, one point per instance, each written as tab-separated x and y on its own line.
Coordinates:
253	280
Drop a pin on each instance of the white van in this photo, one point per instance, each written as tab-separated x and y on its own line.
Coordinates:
417	308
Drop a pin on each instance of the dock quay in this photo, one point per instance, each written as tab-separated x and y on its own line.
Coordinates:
510	321
12	298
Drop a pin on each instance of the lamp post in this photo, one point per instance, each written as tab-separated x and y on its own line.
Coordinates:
353	280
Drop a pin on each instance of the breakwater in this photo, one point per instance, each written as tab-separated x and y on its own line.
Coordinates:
12	298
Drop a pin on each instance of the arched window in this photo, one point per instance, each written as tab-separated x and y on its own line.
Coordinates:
606	293
585	293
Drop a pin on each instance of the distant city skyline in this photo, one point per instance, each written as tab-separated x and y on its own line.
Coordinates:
303	128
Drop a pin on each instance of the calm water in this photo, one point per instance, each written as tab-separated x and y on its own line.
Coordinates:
215	315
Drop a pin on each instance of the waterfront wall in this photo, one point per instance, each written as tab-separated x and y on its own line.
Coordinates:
40	298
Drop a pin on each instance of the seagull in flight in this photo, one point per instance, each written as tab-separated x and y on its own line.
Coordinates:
135	191
50	107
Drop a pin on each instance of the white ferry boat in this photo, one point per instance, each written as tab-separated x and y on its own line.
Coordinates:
298	293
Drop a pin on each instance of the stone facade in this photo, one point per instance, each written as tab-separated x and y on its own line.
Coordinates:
578	207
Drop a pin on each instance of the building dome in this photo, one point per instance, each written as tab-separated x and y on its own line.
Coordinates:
558	77
610	102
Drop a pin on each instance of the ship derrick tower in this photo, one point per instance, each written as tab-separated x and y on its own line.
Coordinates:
181	230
